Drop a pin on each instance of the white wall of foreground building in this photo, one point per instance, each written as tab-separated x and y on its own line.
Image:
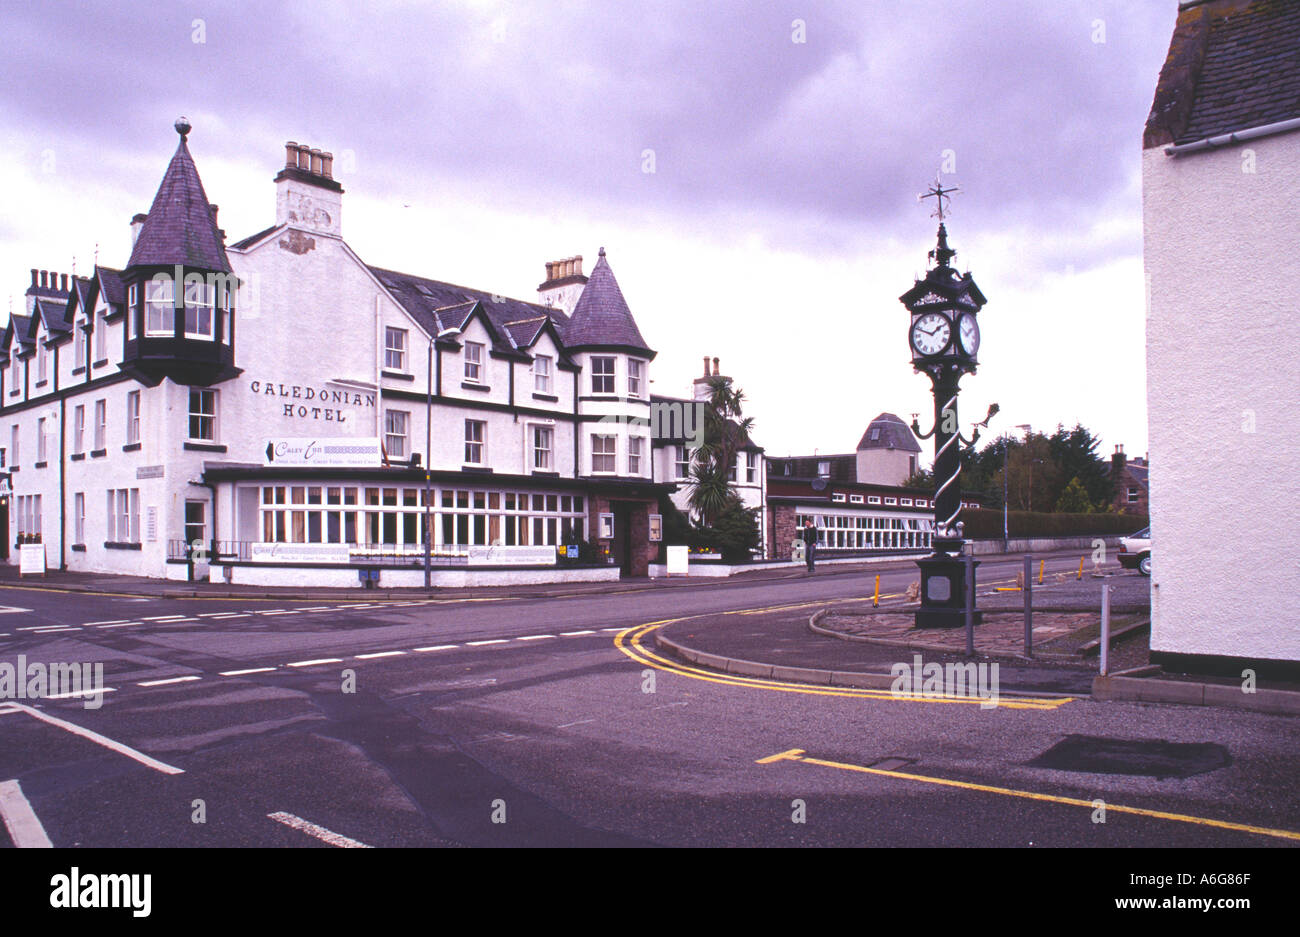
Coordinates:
1222	357
406	578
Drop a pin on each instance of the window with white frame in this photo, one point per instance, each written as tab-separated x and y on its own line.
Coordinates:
13	445
543	444
635	450
198	308
101	424
474	362
475	441
823	469
635	377
202	423
395	433
891	500
1133	495
731	469
79	344
15	366
906	502
602	374
43	364
122	515
681	462
196	527
873	499
40	440
79	517
133	417
751	467
542	374
78	428
837	497
604	453
101	333
28	509
855	499
395	349
159	309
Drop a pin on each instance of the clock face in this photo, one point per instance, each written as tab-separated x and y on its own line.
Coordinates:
968	331
931	333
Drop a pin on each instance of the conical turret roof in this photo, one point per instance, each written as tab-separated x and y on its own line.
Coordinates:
601	316
180	227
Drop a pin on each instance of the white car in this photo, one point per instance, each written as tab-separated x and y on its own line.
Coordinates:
1135	551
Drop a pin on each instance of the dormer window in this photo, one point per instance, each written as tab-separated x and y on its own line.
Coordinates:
43	365
198	308
160	307
474	362
13	372
79	343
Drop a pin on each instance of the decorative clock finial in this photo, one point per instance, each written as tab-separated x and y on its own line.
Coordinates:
182	127
938	192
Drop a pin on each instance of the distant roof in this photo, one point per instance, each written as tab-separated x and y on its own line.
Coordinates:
1232	65
888	431
180	227
601	316
843	467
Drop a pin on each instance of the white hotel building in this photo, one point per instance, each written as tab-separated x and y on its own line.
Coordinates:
168	403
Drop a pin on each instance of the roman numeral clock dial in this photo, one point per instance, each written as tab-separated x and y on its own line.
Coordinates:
931	333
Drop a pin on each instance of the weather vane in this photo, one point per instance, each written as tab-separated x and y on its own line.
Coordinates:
938	193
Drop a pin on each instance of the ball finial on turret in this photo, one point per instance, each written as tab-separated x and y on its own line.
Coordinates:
182	126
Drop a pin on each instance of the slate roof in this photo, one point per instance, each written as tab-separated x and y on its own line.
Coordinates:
843	467
601	317
890	433
111	286
180	228
20	327
1232	65
254	238
437	306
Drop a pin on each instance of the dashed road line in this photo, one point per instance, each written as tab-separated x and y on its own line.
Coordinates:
313	663
115	621
169	680
160	617
20	820
319	832
489	641
379	654
51	628
81	694
534	637
436	647
241	673
125	624
574	634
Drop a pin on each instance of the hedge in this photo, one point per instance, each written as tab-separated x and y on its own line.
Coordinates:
984	524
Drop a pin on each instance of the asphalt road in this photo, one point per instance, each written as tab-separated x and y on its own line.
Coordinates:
493	722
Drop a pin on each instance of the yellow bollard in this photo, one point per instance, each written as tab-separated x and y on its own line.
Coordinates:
875	600
1041	563
1080	567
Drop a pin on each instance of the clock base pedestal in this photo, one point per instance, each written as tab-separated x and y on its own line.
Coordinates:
943	592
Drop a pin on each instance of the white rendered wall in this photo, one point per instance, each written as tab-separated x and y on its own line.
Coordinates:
1223	354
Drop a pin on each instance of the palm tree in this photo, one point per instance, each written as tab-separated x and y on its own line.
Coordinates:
725	431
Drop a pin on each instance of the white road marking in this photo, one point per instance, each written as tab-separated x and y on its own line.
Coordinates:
95	737
312	663
481	643
319	832
233	615
20	820
169	680
380	654
36	627
271	611
240	673
125	624
12	609
213	614
50	628
534	637
578	723
574	634
611	630
436	647
80	694
160	617
317	608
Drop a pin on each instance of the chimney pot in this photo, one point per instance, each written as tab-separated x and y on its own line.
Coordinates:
215	208
45	279
316	162
34	275
291	155
327	165
63	282
579	260
715	367
706	365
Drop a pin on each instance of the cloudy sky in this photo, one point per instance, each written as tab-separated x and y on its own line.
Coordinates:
750	167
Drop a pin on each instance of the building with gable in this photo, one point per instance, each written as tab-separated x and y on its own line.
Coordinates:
287	412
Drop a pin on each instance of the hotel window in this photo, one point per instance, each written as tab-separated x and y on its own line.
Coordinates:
837	498
602	375
203	415
40	440
101	424
543	443
1132	495
159	310
395	349
475	437
635	377
133	417
542	374
13	444
731	469
604	453
823	469
14	377
198	308
79	345
751	467
195	526
681	462
79	517
43	364
123	515
873	499
101	334
474	362
906	502
78	427
855	499
635	449
891	500
395	431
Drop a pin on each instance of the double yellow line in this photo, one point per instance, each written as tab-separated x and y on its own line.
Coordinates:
629	642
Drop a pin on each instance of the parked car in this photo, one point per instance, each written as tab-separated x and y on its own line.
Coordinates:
1135	551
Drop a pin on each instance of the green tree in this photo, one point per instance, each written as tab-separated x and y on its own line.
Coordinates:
735	530
1074	499
726	431
1075	453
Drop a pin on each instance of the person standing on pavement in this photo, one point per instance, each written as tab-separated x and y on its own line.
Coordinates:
809	535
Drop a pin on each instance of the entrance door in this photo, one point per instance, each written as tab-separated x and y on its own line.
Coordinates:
621	546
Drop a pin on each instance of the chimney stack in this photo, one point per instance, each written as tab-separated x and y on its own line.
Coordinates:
307	196
1117	463
137	221
563	284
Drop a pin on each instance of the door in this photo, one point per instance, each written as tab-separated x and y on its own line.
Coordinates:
621	546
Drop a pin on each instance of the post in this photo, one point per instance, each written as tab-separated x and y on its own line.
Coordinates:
1041	564
875	599
1006	541
428	449
1029	605
1105	629
969	560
